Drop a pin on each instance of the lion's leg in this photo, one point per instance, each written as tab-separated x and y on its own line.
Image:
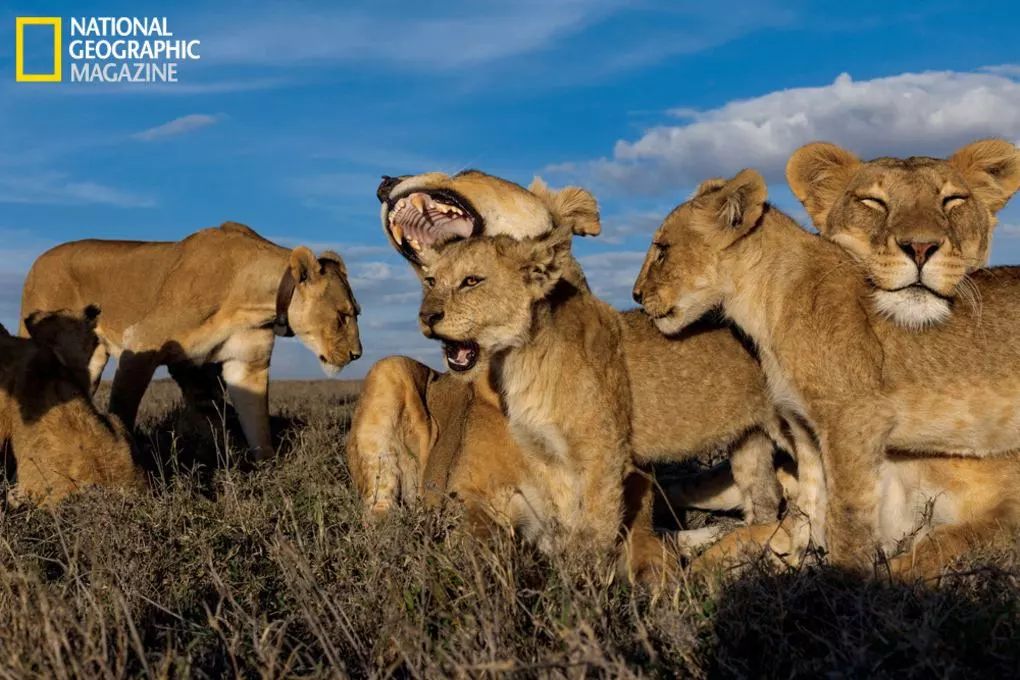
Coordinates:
754	474
200	386
602	489
646	556
203	391
744	543
97	364
248	386
811	497
853	439
390	422
134	373
939	548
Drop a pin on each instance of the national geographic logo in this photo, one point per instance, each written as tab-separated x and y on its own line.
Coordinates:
20	75
100	50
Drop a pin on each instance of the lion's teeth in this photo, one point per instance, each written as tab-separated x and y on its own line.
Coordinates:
418	201
414	244
448	209
398	233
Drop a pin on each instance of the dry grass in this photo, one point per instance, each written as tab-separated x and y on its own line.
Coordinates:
223	571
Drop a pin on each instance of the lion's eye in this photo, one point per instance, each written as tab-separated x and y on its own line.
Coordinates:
874	203
660	252
471	281
341	319
950	202
430	282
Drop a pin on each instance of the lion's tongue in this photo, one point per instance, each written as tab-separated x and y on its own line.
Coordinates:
423	221
461	355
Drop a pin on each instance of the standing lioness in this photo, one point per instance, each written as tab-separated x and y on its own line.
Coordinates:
220	296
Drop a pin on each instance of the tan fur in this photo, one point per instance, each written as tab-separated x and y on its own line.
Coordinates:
208	299
889	211
863	383
558	363
695	393
59	441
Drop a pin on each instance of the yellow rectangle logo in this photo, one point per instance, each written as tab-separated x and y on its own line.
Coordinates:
19	50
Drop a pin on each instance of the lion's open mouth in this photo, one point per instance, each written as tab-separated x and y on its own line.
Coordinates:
460	355
424	220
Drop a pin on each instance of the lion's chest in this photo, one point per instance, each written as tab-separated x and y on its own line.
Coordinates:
530	394
556	477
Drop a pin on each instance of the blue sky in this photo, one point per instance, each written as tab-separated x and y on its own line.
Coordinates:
297	108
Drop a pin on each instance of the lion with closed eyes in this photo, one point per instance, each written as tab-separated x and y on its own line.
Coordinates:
920	226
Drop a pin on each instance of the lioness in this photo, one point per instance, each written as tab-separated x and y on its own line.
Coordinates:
220	296
697	392
59	441
918	225
864	383
556	358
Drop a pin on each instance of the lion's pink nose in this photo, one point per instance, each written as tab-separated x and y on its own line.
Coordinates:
919	251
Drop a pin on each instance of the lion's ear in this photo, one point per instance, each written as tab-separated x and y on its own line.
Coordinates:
303	265
709	185
739	202
542	261
571	207
817	174
331	256
991	168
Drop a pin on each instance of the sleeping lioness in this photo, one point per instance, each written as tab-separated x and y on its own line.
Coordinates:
220	296
59	441
919	226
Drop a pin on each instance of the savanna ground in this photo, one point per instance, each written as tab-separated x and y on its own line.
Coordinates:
224	571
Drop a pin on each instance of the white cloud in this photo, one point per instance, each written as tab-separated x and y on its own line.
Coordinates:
177	126
57	188
617	227
611	275
908	114
456	36
1008	229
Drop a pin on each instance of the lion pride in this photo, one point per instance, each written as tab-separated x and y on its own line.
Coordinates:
420	432
864	383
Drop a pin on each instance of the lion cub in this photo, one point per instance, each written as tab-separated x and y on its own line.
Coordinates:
556	355
863	382
59	440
